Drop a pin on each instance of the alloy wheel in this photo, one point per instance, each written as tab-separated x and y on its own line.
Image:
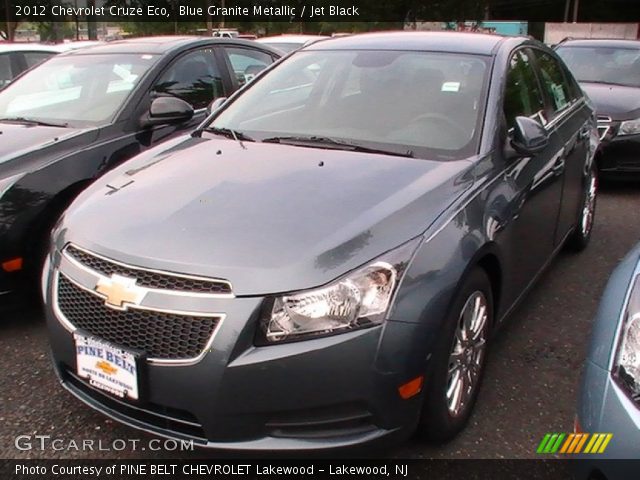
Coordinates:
467	353
589	206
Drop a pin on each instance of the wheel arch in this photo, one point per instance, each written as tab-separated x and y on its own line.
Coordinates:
46	219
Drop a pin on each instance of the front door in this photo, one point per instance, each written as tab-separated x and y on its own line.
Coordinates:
536	188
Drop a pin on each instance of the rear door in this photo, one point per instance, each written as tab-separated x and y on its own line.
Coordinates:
570	118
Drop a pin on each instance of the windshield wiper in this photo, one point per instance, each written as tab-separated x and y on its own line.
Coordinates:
328	142
229	133
33	121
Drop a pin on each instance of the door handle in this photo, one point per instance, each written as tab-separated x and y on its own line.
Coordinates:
558	166
584	133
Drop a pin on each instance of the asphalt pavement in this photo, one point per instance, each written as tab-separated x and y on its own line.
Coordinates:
530	387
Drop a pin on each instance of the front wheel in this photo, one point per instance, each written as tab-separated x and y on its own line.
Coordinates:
458	362
580	237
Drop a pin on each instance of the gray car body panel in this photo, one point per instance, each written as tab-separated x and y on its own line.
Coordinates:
603	406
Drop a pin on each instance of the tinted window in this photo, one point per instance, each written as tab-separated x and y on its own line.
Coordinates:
428	103
246	63
603	64
34	58
194	78
522	93
554	82
5	70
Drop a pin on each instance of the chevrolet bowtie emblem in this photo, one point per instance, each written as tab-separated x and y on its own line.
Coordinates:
119	291
106	367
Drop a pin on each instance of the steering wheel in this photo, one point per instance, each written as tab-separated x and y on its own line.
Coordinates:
436	118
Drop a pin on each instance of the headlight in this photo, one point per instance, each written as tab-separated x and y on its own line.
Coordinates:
627	364
5	183
358	300
630	127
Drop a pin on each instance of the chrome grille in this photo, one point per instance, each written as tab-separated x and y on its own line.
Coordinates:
149	278
161	335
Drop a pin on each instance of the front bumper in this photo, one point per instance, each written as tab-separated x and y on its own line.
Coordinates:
318	394
619	157
605	408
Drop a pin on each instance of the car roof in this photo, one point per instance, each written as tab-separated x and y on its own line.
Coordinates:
65	47
290	39
600	42
161	45
29	47
459	42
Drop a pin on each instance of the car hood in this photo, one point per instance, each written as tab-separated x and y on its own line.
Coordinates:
18	141
619	102
269	218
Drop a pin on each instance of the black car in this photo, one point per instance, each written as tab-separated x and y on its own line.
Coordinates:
81	113
323	262
609	71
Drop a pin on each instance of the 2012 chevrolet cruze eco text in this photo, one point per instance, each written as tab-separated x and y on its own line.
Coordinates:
323	262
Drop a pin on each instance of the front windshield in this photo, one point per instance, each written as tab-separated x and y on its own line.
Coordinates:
76	90
429	104
619	66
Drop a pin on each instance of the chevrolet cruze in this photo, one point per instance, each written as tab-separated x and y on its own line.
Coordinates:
322	263
609	72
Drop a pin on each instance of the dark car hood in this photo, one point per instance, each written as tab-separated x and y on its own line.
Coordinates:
18	141
269	218
620	103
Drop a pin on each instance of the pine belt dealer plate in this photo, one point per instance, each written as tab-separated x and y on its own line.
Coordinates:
107	367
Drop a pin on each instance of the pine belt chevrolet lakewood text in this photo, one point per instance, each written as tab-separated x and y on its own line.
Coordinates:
323	261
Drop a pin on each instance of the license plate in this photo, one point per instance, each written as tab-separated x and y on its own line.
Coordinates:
106	366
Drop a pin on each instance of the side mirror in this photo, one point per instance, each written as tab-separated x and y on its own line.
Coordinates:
529	137
216	104
167	110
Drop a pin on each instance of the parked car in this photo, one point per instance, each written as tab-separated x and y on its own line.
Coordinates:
79	114
326	269
610	390
15	58
609	71
289	43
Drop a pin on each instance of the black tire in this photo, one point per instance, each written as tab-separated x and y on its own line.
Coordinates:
439	421
580	237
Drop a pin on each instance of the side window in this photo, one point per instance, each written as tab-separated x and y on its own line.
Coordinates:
522	95
247	63
194	78
554	82
6	74
574	88
34	58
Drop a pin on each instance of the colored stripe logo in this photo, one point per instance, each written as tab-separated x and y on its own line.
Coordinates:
553	443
